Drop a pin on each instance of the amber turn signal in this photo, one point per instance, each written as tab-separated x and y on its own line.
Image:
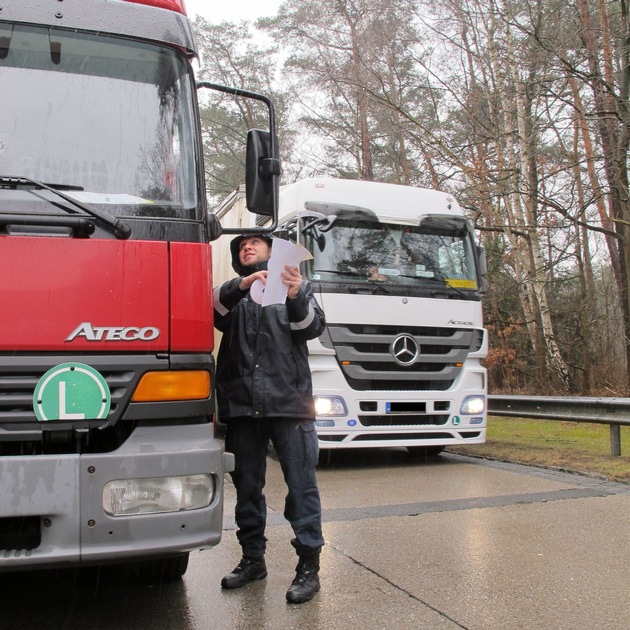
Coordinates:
177	385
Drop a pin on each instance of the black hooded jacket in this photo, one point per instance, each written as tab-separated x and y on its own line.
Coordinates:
262	367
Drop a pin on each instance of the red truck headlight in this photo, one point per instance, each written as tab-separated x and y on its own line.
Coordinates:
128	497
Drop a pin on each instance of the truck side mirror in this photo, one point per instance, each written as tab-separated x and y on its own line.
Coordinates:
214	227
262	165
483	267
261	174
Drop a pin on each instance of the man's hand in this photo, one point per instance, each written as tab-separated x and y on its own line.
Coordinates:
247	281
292	277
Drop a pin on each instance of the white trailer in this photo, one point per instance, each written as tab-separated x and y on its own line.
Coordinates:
400	279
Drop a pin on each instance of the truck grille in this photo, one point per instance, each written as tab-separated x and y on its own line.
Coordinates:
402	420
364	353
19	377
22	434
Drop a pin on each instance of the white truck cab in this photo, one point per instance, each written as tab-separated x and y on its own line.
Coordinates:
400	280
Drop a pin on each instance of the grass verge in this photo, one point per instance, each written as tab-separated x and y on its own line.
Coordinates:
573	446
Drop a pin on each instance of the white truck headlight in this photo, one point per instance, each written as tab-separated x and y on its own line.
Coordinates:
127	497
330	406
473	405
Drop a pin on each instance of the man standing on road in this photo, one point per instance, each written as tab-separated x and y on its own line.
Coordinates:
265	394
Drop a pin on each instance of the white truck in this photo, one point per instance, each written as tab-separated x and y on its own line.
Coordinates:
400	279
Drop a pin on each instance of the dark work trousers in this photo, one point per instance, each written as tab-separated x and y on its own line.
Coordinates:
297	448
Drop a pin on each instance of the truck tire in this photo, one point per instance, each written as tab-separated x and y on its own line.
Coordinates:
162	569
425	452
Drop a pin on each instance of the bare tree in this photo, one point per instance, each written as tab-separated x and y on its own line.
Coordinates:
519	107
231	55
332	48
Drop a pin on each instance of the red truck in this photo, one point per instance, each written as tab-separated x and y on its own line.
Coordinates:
107	447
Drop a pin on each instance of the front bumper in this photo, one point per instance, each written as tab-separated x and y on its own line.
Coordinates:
63	493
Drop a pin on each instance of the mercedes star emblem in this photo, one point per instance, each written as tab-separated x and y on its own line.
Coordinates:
405	349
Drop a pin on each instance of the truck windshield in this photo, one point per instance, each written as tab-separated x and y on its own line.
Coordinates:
362	250
107	120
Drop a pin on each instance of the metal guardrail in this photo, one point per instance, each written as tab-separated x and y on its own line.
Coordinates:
612	411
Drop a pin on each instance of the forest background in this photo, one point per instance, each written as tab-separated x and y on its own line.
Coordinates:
519	108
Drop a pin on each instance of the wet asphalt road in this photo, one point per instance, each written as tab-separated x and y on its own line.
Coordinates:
450	543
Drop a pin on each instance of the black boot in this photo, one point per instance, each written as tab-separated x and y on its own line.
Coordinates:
306	581
248	570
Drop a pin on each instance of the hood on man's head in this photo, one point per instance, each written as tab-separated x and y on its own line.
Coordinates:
234	249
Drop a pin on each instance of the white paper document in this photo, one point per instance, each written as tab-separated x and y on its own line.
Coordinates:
275	291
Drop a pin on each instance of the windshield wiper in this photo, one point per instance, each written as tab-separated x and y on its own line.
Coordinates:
118	228
355	274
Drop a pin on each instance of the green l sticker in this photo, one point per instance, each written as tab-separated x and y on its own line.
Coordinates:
71	391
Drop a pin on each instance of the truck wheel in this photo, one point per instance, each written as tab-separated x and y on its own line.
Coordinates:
162	569
425	452
325	457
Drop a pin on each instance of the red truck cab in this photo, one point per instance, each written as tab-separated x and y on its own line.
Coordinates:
107	450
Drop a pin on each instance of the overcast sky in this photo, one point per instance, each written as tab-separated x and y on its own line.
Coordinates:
231	10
